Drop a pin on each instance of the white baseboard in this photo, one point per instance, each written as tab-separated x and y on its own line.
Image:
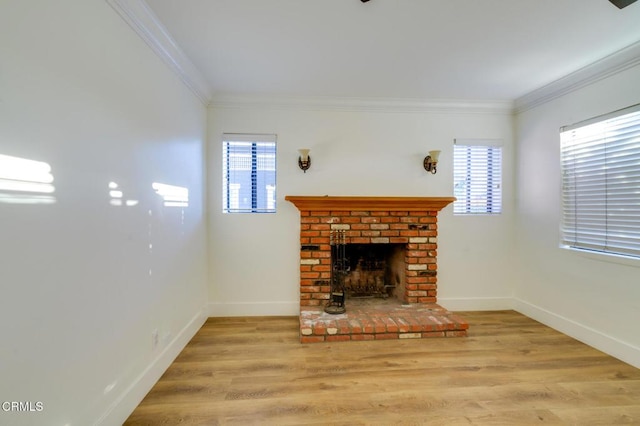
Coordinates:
594	338
476	303
131	397
254	309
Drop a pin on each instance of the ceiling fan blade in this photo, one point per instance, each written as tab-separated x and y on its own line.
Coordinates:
622	3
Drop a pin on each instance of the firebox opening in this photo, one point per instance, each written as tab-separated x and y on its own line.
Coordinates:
374	270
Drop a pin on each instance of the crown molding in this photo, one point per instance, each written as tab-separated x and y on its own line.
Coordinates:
393	105
147	25
609	65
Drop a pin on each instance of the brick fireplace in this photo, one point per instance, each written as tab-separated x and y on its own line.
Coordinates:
410	222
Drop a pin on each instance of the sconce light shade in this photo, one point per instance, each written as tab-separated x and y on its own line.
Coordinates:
430	161
304	160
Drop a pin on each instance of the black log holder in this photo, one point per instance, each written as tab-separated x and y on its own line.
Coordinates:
339	270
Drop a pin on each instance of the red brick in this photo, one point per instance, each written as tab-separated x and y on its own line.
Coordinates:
308	234
356	326
399	226
320	296
428	219
370	233
389	219
379	226
351	219
389	233
379	325
319	329
392	327
321	268
387	336
320	227
338	338
398	240
310	275
309	220
426	233
360	240
360	226
408	219
367	326
362	337
311	339
370	219
321	254
427	287
433	334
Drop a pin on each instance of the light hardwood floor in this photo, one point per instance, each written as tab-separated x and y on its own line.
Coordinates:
510	370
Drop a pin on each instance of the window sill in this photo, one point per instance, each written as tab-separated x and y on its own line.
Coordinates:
605	257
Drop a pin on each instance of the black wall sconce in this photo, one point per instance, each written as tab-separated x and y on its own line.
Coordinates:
430	161
304	160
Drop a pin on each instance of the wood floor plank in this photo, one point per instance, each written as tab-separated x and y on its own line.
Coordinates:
510	370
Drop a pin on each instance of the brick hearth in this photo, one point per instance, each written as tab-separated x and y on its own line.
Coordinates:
367	320
411	221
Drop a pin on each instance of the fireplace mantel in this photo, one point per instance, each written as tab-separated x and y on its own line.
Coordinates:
342	203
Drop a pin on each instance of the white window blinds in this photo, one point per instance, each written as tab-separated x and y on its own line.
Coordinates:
477	177
248	173
600	161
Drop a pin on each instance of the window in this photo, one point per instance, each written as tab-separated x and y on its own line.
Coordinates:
477	177
600	160
248	173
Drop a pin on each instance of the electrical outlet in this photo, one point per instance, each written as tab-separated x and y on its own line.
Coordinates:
154	339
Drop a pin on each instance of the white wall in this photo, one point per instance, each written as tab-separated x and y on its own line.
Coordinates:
81	288
592	298
254	258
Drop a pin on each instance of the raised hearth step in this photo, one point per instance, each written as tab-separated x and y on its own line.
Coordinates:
365	320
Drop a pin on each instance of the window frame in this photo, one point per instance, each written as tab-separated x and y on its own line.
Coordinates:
493	191
608	154
258	145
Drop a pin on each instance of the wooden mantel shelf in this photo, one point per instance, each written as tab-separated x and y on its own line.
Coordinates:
341	203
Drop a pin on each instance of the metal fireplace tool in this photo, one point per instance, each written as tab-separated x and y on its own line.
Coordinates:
339	270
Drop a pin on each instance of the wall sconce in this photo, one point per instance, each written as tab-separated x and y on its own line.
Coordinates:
430	161
304	160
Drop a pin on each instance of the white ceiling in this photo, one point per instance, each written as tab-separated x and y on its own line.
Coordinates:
412	49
